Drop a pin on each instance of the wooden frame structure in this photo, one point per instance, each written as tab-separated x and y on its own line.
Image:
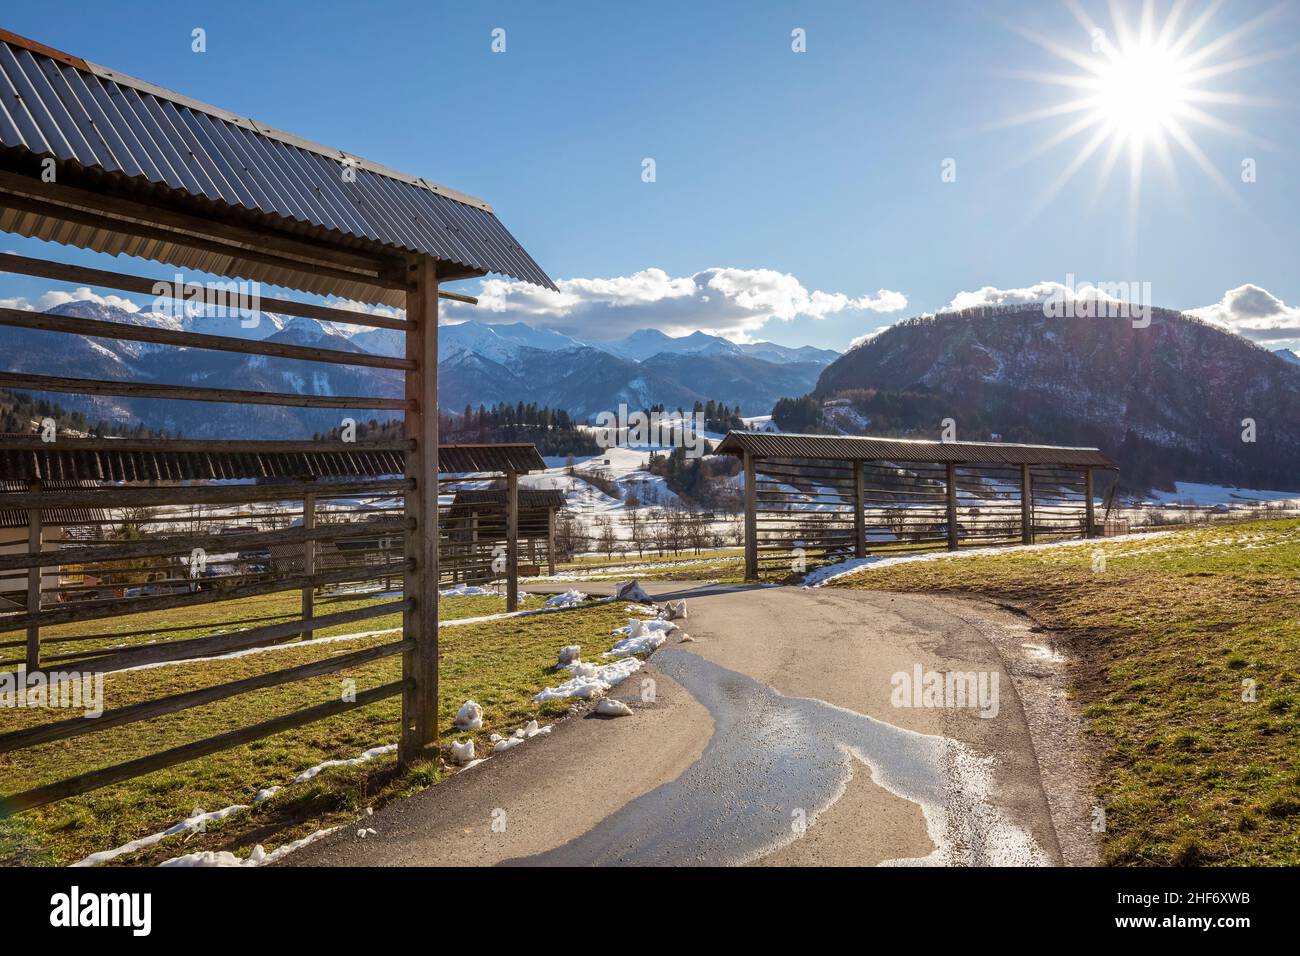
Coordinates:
98	160
811	497
483	525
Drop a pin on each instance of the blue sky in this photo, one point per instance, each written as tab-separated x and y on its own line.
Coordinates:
824	166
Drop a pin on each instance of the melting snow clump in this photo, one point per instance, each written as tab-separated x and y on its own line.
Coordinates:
642	637
569	654
470	716
632	591
570	598
462	752
609	707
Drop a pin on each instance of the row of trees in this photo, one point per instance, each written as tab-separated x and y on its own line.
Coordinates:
666	531
19	410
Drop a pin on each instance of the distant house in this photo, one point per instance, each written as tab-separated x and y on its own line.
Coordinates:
60	527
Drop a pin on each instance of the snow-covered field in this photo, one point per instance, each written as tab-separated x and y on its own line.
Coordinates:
1193	493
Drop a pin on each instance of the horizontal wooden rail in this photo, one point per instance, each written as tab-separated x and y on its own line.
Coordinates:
95	779
44	322
146	710
102	610
167	446
213	645
117	497
187	393
216	543
24	265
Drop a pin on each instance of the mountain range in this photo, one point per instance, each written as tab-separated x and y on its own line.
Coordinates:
1179	399
479	363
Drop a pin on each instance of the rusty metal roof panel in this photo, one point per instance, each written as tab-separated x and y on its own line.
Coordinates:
854	448
97	119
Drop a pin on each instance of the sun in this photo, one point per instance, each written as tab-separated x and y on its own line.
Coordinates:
1143	89
1140	92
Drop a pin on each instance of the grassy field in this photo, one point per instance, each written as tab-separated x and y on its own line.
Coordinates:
1168	640
725	564
501	664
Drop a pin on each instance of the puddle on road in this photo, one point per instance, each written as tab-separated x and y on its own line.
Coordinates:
772	756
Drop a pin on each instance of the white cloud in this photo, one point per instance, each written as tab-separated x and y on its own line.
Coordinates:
18	302
729	302
1038	293
50	299
1254	313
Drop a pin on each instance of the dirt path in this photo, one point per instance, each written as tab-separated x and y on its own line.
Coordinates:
775	737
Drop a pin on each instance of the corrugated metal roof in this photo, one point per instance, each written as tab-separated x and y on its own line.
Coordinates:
154	461
529	498
519	457
51	516
92	118
853	448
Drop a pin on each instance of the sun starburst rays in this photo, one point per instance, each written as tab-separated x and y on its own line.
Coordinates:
1139	87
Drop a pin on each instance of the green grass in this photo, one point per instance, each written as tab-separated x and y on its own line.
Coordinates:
501	664
714	564
1164	638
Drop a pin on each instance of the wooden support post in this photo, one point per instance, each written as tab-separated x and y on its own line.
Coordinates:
420	624
751	520
1026	506
1088	509
308	559
859	512
512	541
954	539
34	583
550	541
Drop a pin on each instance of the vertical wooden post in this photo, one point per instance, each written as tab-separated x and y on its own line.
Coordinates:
550	541
512	541
859	512
420	585
751	520
34	544
954	539
1026	506
1088	509
308	559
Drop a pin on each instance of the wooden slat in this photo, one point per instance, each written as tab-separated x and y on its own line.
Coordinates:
167	446
182	544
215	644
65	272
54	383
116	497
95	779
45	322
34	585
173	703
100	610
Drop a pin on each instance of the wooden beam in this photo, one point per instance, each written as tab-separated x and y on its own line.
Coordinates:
1026	506
859	513
1089	508
954	537
112	497
308	558
129	389
203	243
173	703
512	541
18	318
304	254
169	446
420	664
34	583
63	272
95	779
751	523
550	541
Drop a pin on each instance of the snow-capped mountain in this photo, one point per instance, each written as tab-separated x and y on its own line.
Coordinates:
647	343
1288	355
